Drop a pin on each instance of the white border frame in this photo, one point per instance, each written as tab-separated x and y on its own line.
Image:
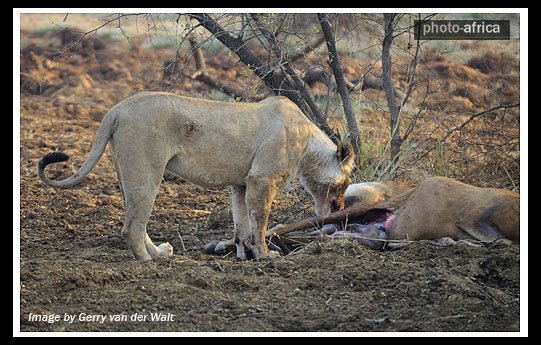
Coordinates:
523	172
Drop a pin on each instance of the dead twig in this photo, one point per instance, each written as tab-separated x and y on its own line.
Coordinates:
465	123
73	44
181	241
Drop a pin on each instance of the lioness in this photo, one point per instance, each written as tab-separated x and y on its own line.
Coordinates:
252	147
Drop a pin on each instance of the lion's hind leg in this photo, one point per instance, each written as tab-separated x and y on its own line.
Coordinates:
138	208
139	203
139	189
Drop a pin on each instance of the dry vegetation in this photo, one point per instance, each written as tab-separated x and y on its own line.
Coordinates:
73	258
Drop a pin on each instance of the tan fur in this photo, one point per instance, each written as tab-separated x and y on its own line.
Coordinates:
373	193
252	147
443	207
440	207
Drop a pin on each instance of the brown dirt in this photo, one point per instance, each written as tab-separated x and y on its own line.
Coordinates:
74	260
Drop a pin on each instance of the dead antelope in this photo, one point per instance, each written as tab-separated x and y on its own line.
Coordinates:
438	207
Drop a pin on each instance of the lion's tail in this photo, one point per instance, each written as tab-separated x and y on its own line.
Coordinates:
105	131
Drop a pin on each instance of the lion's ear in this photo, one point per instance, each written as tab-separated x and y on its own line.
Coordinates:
345	153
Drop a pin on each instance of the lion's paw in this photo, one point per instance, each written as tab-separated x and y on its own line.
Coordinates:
165	250
270	255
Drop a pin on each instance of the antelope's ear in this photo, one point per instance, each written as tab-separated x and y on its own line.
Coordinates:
345	153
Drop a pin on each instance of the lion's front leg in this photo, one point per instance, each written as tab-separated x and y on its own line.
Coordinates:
260	192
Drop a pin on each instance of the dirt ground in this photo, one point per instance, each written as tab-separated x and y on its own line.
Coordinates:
74	261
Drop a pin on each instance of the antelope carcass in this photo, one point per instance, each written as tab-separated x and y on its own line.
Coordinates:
439	207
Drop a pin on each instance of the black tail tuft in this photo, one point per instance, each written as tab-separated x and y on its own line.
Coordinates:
53	157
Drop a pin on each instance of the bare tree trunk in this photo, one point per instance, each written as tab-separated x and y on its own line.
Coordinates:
279	83
396	140
340	82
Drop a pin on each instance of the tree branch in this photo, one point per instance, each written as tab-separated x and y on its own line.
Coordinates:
340	82
68	48
283	61
389	20
279	83
421	107
202	75
411	72
465	123
473	116
309	48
